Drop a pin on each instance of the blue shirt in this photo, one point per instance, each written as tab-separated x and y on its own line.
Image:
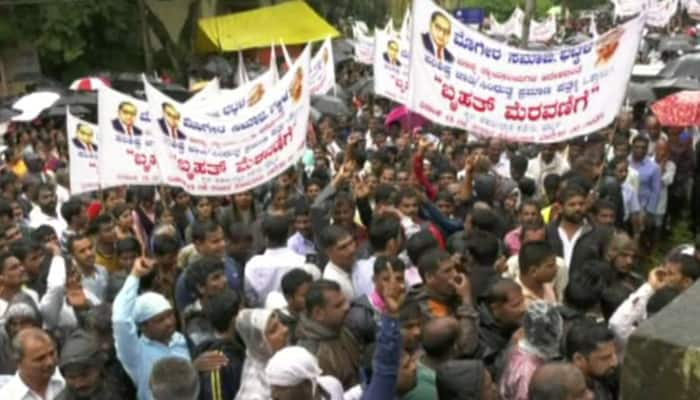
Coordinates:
649	183
385	362
137	353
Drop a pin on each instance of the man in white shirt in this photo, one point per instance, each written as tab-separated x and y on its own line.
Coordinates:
500	164
546	163
37	377
385	237
45	212
12	279
264	272
341	249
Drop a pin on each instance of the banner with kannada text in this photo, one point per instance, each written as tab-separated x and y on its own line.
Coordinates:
125	130
82	152
363	43
322	73
392	59
463	79
217	156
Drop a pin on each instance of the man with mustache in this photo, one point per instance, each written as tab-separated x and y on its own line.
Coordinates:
590	346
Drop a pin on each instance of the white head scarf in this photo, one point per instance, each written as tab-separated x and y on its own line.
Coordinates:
292	366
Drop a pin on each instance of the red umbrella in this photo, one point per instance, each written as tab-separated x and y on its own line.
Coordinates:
89	84
406	118
679	109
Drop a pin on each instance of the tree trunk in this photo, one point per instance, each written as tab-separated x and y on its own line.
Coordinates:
529	12
145	37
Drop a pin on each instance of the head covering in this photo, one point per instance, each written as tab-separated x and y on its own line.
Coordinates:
80	348
148	305
292	366
460	379
251	324
544	328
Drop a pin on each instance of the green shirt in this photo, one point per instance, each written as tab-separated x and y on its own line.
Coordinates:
425	386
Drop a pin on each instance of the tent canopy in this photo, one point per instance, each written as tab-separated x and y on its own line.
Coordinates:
291	22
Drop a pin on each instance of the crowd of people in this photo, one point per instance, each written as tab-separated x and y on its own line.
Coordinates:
390	263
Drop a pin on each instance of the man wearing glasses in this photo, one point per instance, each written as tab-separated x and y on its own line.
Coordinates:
125	121
437	39
170	123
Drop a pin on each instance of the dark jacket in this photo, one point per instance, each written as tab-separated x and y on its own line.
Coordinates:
338	353
494	339
460	380
363	321
109	389
228	378
591	245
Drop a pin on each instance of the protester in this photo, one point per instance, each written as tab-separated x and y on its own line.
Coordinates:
173	378
559	381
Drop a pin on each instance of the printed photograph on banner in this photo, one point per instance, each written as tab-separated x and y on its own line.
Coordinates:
391	64
224	155
464	79
322	70
125	129
230	102
82	153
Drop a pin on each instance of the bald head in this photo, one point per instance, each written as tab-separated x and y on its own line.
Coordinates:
558	381
27	336
440	337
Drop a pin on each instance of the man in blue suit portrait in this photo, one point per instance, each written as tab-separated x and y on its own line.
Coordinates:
170	123
437	39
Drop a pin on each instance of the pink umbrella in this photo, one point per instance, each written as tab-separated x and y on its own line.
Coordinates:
679	109
406	118
89	84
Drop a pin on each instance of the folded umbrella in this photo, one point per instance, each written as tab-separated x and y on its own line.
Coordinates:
681	109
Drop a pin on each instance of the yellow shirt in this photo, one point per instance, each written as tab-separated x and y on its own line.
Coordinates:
111	263
19	168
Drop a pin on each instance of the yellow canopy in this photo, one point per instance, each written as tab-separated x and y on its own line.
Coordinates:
291	22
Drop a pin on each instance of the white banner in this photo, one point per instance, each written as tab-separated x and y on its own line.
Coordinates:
364	44
391	65
217	156
512	27
463	79
322	72
82	151
232	102
542	32
693	9
660	12
125	129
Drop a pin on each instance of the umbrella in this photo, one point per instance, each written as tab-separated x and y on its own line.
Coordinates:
84	98
33	104
665	87
675	43
680	109
330	105
639	93
218	66
362	87
6	114
342	50
402	115
60	111
687	65
89	84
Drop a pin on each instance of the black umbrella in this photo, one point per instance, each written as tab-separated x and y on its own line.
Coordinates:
343	50
60	111
666	87
639	93
675	43
684	66
330	105
218	66
6	114
362	87
73	98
